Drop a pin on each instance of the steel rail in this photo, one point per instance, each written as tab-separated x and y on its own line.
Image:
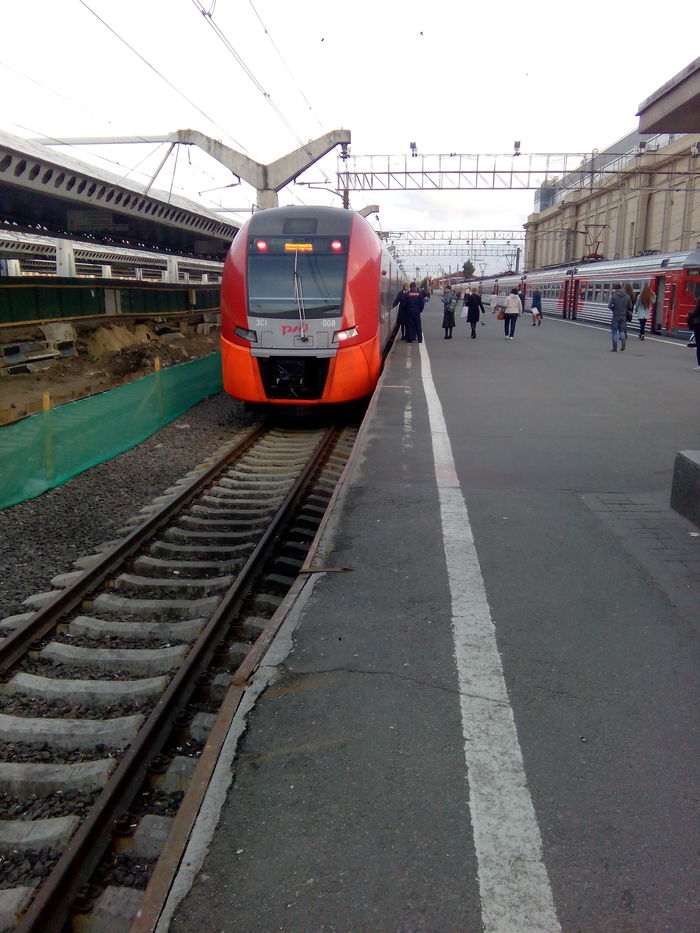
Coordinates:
49	910
17	643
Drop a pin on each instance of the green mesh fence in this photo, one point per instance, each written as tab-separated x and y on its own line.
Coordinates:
52	447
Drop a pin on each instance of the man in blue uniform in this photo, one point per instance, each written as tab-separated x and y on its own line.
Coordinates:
414	306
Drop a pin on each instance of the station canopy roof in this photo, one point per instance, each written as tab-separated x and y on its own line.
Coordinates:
47	186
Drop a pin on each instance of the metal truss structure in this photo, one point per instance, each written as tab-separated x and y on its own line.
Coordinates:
451	236
470	252
521	171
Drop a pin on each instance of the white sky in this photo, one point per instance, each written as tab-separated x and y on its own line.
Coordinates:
449	75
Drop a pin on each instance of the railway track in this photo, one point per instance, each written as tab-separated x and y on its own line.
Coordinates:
112	685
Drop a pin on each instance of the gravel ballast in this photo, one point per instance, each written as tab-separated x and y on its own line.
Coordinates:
42	537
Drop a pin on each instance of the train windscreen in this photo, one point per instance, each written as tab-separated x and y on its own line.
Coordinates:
284	272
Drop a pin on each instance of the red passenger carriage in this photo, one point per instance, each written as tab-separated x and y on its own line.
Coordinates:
582	292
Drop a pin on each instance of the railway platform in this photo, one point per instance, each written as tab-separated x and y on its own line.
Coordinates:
481	711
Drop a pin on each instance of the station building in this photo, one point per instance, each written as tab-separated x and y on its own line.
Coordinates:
639	195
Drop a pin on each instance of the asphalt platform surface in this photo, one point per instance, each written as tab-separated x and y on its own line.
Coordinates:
348	805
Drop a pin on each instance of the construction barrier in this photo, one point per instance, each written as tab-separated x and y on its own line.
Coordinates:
48	449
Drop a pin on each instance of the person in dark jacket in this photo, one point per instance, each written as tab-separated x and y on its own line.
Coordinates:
620	304
449	300
414	306
694	325
475	309
536	307
400	303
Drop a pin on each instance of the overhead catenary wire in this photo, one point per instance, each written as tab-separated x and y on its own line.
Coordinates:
281	58
52	90
209	19
289	72
160	75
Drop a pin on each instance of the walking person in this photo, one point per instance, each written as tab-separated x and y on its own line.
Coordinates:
475	309
643	307
400	303
621	306
513	309
449	301
414	306
536	307
694	325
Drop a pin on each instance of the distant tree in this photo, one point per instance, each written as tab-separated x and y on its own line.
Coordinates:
468	269
424	283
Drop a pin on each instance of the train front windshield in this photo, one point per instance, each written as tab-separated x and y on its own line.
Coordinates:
283	273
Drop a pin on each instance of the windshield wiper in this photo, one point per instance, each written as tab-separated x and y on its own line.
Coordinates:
299	295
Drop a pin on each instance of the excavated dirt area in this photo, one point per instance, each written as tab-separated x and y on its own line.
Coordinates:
105	356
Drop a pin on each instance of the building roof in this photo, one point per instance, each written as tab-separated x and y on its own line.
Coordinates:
675	106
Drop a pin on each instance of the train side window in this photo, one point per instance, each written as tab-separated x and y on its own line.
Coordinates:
637	286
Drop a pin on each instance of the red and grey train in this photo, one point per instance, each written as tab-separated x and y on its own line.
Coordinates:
306	313
582	292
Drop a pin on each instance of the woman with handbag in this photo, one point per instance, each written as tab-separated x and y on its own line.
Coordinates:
643	307
513	308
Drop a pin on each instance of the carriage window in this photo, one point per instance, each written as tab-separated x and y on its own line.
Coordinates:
637	286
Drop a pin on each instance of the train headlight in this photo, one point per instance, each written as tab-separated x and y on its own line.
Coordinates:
250	335
348	334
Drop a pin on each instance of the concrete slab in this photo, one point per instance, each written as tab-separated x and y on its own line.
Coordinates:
685	489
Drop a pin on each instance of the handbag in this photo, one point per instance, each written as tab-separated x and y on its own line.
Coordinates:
501	315
629	315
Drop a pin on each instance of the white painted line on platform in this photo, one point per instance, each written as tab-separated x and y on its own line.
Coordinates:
515	891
